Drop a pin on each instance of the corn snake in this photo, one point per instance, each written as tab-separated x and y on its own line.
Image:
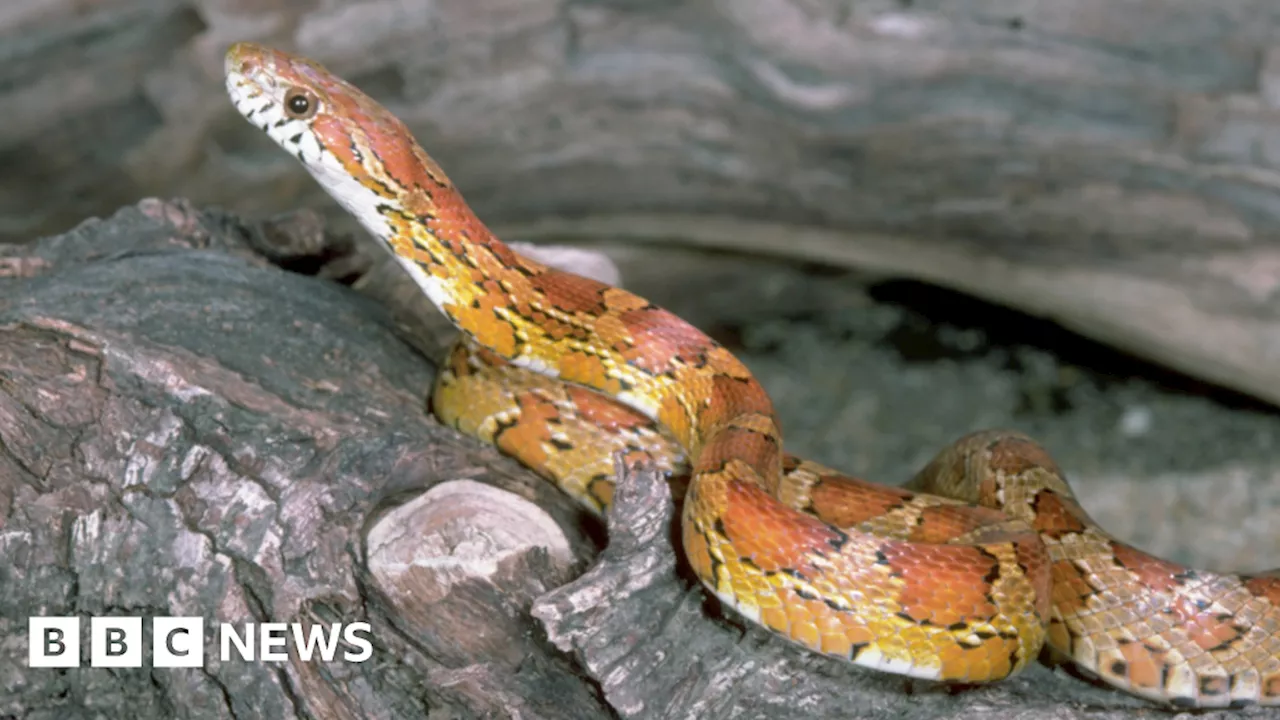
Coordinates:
962	578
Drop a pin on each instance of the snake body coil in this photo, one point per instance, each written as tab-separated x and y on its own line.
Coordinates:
562	371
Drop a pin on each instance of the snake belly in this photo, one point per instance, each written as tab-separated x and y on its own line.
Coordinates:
562	371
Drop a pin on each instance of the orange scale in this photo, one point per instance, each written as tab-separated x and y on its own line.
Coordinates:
917	638
765	594
1271	686
775	618
844	501
1158	574
856	633
944	522
1142	669
999	663
743	578
765	589
1071	592
835	643
832	622
772	541
1065	571
1267	587
1208	633
944	598
587	369
802	609
599	410
957	664
798	621
806	634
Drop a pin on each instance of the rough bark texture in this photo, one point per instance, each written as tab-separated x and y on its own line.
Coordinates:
1109	165
189	430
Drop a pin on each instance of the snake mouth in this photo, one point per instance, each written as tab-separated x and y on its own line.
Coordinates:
249	83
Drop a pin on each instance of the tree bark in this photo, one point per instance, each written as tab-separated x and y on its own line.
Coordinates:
188	430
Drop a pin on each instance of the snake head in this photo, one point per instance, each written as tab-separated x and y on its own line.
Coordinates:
355	148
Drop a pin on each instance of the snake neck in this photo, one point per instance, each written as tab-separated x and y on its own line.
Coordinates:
585	332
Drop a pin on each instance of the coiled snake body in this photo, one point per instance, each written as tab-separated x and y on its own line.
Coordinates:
562	371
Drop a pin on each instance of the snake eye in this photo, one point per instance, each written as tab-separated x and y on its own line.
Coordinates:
300	104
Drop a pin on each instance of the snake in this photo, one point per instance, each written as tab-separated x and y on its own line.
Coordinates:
982	563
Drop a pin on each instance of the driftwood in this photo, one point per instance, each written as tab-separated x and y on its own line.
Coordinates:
1111	166
188	429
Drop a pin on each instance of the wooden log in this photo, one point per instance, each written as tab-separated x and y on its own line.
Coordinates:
188	430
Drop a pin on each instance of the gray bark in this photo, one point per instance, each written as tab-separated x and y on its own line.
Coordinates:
1110	166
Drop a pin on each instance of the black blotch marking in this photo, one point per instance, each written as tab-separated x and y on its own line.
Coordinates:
386	191
1187	575
1119	667
1227	643
1183	702
771	438
856	649
502	427
799	592
839	539
1013	657
926	622
559	444
1214	686
1240	703
993	574
718	528
805	594
296	139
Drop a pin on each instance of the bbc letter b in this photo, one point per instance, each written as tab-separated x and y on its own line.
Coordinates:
53	642
115	642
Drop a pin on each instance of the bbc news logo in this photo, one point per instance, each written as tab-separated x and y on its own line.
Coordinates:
115	642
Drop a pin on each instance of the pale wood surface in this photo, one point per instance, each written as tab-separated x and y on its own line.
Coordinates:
1109	165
